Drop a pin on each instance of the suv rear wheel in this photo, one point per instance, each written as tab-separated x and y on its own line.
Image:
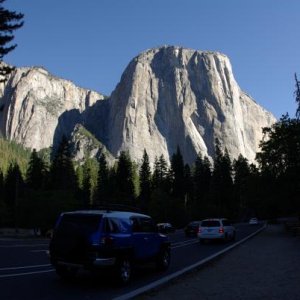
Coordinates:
163	259
123	270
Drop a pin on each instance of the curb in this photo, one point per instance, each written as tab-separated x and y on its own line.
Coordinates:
172	276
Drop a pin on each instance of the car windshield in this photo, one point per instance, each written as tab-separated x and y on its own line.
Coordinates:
210	223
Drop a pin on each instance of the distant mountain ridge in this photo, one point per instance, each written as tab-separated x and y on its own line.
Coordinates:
167	97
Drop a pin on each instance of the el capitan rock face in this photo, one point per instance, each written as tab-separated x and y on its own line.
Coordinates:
171	97
167	97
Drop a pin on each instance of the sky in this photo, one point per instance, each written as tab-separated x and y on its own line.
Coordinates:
91	42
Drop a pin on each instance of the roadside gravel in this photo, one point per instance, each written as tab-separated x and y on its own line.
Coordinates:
265	267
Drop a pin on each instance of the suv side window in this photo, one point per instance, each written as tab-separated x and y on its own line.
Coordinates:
143	225
111	225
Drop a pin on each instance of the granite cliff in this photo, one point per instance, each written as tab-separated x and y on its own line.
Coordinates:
167	97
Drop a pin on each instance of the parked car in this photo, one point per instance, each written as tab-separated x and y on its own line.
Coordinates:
216	229
253	221
165	227
102	240
192	228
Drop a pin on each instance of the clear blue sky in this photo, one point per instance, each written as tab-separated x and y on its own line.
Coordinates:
91	42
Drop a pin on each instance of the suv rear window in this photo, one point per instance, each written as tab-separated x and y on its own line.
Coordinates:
86	223
210	224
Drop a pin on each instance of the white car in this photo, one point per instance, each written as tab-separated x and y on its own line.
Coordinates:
253	221
216	229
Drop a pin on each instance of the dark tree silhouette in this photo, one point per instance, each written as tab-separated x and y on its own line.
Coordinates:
13	188
177	169
201	183
103	182
125	193
9	22
62	170
36	172
241	170
297	94
86	185
221	183
145	183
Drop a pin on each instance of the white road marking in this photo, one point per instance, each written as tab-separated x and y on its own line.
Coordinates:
184	243
24	267
20	246
39	251
27	273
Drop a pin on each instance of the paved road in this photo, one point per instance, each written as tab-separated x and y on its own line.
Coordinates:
25	272
265	267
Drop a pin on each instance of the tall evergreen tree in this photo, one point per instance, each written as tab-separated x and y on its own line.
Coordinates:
13	190
178	189
297	94
201	183
103	183
241	170
62	170
160	172
86	185
221	183
177	167
145	183
9	22
125	193
36	172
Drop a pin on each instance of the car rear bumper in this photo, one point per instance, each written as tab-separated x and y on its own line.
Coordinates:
95	263
211	236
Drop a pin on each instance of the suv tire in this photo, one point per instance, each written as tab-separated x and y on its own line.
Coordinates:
163	259
123	270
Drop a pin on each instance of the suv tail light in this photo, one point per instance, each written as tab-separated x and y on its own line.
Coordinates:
107	240
199	230
221	230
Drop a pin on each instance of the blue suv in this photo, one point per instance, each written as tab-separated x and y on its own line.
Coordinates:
103	239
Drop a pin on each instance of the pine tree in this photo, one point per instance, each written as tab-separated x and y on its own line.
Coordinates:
177	167
160	173
125	193
36	172
103	182
9	22
221	182
145	183
201	183
241	170
62	171
86	185
13	189
297	94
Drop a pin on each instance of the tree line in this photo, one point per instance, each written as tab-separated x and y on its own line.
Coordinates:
175	192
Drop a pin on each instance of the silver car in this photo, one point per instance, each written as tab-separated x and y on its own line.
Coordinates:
216	229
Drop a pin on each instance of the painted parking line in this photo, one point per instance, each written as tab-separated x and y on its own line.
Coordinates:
23	246
24	267
26	273
184	243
